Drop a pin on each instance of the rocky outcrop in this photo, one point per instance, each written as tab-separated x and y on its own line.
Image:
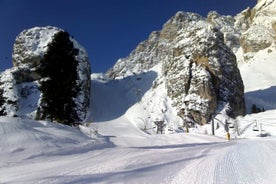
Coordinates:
199	71
9	95
252	29
146	55
256	38
203	73
31	45
56	65
226	24
258	23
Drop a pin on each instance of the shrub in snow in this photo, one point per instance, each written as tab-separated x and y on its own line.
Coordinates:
255	109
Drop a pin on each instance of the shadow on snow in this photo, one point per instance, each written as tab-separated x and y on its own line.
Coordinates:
118	176
111	99
177	145
265	98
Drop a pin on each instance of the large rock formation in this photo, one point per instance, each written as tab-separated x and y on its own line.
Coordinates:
251	30
146	55
51	70
199	70
261	32
202	72
226	24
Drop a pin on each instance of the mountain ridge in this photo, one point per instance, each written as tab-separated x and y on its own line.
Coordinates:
197	70
195	67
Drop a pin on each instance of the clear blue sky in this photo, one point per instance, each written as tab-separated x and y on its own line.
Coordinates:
108	29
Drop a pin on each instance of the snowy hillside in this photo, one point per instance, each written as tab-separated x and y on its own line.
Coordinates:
43	152
260	80
128	150
118	142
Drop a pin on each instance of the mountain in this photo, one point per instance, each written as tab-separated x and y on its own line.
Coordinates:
253	32
198	61
192	67
50	78
120	141
199	71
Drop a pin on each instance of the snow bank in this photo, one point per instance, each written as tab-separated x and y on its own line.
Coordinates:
24	139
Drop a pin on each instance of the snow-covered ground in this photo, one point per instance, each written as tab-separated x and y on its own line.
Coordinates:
260	79
126	150
119	144
43	152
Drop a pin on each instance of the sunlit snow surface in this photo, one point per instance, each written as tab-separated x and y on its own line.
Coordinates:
43	152
127	148
123	152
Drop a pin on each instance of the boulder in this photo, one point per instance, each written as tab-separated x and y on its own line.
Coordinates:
58	67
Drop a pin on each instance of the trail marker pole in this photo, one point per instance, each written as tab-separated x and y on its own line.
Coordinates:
213	127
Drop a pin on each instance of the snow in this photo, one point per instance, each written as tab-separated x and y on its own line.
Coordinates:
34	41
265	13
30	97
43	152
114	147
118	143
260	80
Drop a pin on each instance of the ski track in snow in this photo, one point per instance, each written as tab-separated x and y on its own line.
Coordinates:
142	158
46	153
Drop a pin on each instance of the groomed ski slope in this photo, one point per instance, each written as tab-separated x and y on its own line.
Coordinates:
122	152
30	155
44	152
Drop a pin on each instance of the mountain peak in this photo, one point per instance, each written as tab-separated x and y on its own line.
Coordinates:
196	66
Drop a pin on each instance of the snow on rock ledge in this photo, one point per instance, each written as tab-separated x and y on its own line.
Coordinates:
31	44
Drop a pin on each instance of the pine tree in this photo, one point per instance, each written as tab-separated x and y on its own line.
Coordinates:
2	101
58	84
253	108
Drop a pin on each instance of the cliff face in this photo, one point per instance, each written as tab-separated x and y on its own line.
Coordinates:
199	71
199	58
251	30
47	63
202	73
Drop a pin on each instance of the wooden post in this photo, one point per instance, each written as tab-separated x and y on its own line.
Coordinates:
228	136
213	126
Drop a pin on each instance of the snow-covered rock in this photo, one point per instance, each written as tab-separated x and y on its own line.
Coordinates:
226	24
256	38
146	55
198	69
33	68
9	94
202	72
257	26
31	45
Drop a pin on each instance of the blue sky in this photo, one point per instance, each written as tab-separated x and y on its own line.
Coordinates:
108	29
